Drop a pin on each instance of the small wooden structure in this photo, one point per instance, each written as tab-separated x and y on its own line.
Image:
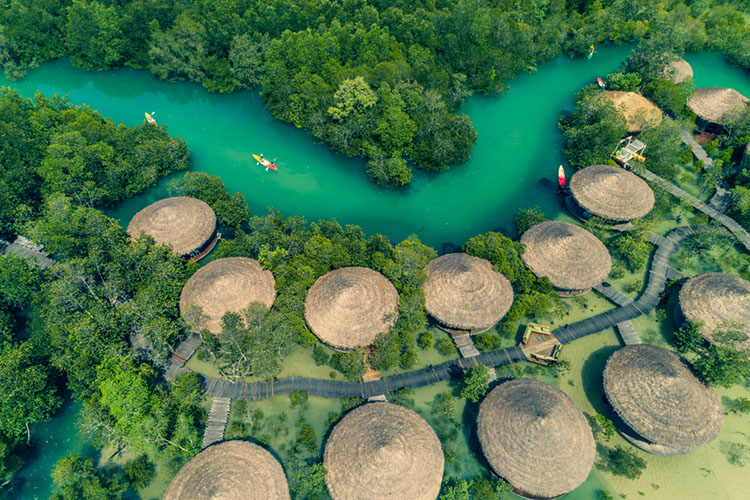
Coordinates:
540	345
627	149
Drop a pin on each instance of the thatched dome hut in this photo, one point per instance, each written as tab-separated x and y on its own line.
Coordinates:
188	225
535	437
678	71
712	104
638	110
347	308
226	285
719	301
611	192
464	293
227	471
382	450
572	258
668	410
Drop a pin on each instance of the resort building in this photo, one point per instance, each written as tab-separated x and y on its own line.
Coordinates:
186	224
712	104
536	438
638	111
382	450
612	193
572	258
230	470
720	301
465	294
664	409
226	285
348	307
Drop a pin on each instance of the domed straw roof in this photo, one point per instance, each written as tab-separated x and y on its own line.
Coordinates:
718	300
682	71
182	222
228	285
657	396
713	103
535	437
612	192
571	257
465	293
637	109
348	307
382	450
228	471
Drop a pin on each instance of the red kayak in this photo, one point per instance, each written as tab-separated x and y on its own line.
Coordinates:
268	164
600	82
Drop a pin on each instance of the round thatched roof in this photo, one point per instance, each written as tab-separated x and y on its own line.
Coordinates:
228	471
382	450
184	223
718	300
612	192
682	70
713	103
638	110
571	257
228	285
657	396
465	292
535	437
348	307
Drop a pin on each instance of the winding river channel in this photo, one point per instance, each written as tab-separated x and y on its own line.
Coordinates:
518	145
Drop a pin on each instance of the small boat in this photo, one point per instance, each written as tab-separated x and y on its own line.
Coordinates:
600	82
561	177
150	119
268	164
591	51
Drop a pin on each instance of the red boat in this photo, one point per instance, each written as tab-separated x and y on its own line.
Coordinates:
600	82
268	164
561	177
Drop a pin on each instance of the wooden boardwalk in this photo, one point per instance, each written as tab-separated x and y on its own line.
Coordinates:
180	356
627	333
465	345
28	250
217	421
613	294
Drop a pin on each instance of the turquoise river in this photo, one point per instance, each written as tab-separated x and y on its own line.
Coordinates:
518	145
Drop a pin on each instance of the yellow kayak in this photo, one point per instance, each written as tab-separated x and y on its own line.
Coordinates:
268	164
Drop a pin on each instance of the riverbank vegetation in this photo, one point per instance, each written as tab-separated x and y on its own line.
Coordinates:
380	79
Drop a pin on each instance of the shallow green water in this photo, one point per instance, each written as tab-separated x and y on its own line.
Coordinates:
518	144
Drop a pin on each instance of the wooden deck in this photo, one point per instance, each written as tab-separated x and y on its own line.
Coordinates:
27	249
465	345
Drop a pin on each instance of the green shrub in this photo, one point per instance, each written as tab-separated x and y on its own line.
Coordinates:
320	355
445	346
426	340
139	472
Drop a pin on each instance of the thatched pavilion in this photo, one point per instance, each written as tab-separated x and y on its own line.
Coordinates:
678	71
382	450
536	438
232	470
348	307
719	301
464	293
188	225
572	258
712	104
666	409
638	110
611	192
228	285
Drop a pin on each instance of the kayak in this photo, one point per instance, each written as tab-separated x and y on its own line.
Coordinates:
600	82
150	119
561	177
268	164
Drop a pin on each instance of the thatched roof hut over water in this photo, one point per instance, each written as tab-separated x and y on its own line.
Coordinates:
535	437
669	410
718	300
232	470
712	104
638	110
572	258
678	71
382	450
465	293
187	224
611	192
348	307
225	285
